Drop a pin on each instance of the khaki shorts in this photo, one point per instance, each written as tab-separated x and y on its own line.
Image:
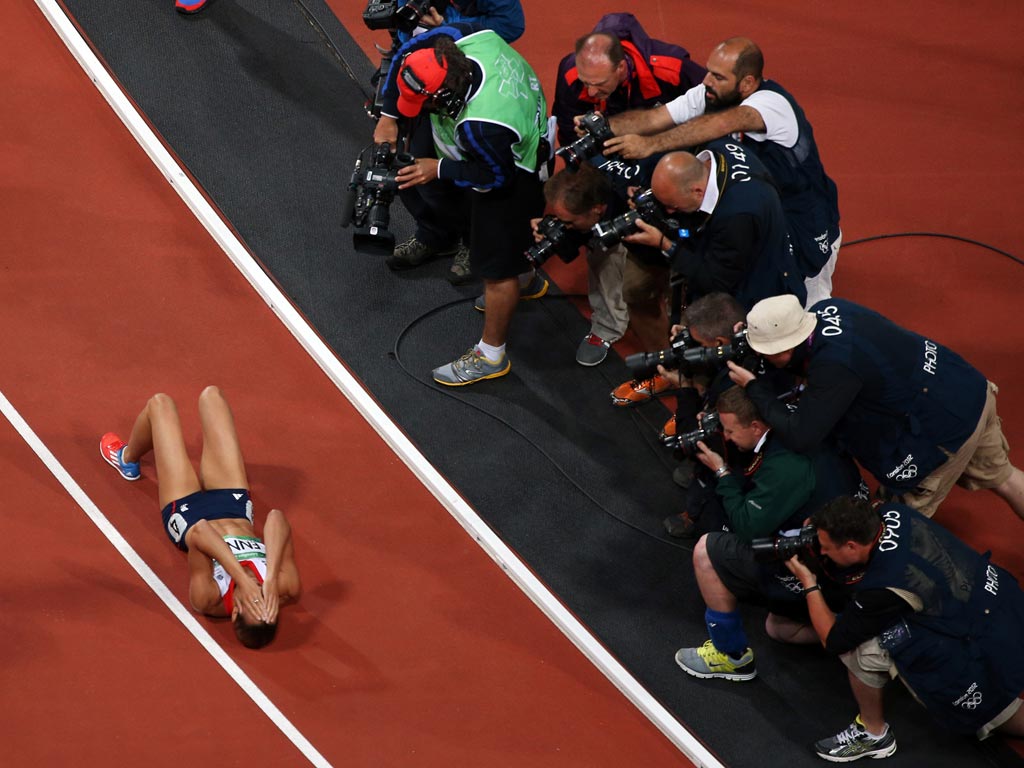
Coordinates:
643	282
982	462
872	665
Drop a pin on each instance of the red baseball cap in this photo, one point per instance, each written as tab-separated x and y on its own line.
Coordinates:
419	78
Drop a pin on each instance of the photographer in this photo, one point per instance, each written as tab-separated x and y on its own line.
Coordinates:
487	132
913	413
580	199
768	485
711	323
736	100
502	16
734	235
772	490
614	68
618	67
926	607
440	210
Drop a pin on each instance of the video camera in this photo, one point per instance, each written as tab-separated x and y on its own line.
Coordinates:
558	240
690	358
386	14
371	190
780	548
646	207
597	132
708	431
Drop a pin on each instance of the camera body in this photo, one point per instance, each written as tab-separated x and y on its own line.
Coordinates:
690	358
645	206
386	14
710	427
597	132
557	240
771	549
371	190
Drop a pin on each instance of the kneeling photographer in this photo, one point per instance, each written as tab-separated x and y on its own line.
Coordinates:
771	491
925	607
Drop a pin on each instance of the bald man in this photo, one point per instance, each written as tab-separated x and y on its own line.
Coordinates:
736	100
618	67
733	234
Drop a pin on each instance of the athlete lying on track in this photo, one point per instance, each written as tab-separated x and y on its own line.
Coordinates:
231	572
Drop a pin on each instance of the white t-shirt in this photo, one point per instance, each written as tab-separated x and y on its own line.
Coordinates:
777	113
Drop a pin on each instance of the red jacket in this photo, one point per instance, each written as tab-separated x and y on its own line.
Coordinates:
658	72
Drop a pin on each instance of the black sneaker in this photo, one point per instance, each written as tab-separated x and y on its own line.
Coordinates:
412	253
855	742
680	526
460	272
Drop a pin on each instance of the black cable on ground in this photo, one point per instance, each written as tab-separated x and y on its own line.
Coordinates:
396	354
967	240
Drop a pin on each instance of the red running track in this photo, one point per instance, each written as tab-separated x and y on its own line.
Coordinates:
409	646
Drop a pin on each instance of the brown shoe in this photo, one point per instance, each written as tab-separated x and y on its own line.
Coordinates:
640	391
680	526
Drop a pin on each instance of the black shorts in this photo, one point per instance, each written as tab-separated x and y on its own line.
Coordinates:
749	580
183	513
500	229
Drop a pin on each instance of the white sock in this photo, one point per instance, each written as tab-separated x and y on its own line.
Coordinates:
491	354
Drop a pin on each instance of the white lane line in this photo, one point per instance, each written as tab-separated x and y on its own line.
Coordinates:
368	407
153	581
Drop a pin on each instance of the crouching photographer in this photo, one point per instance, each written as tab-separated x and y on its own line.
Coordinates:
695	365
592	202
766	494
926	608
576	200
732	235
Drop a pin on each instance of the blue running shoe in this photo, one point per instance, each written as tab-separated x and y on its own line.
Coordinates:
111	449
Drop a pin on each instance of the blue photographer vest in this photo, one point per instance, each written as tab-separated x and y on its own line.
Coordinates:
917	399
960	654
809	196
746	188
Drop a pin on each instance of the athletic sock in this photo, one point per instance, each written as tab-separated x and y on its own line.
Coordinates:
491	354
726	631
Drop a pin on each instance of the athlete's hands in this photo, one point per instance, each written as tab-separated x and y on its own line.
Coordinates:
249	599
271	600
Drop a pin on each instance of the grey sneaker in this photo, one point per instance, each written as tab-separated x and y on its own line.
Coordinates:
412	253
470	368
460	273
536	288
592	350
855	742
707	661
